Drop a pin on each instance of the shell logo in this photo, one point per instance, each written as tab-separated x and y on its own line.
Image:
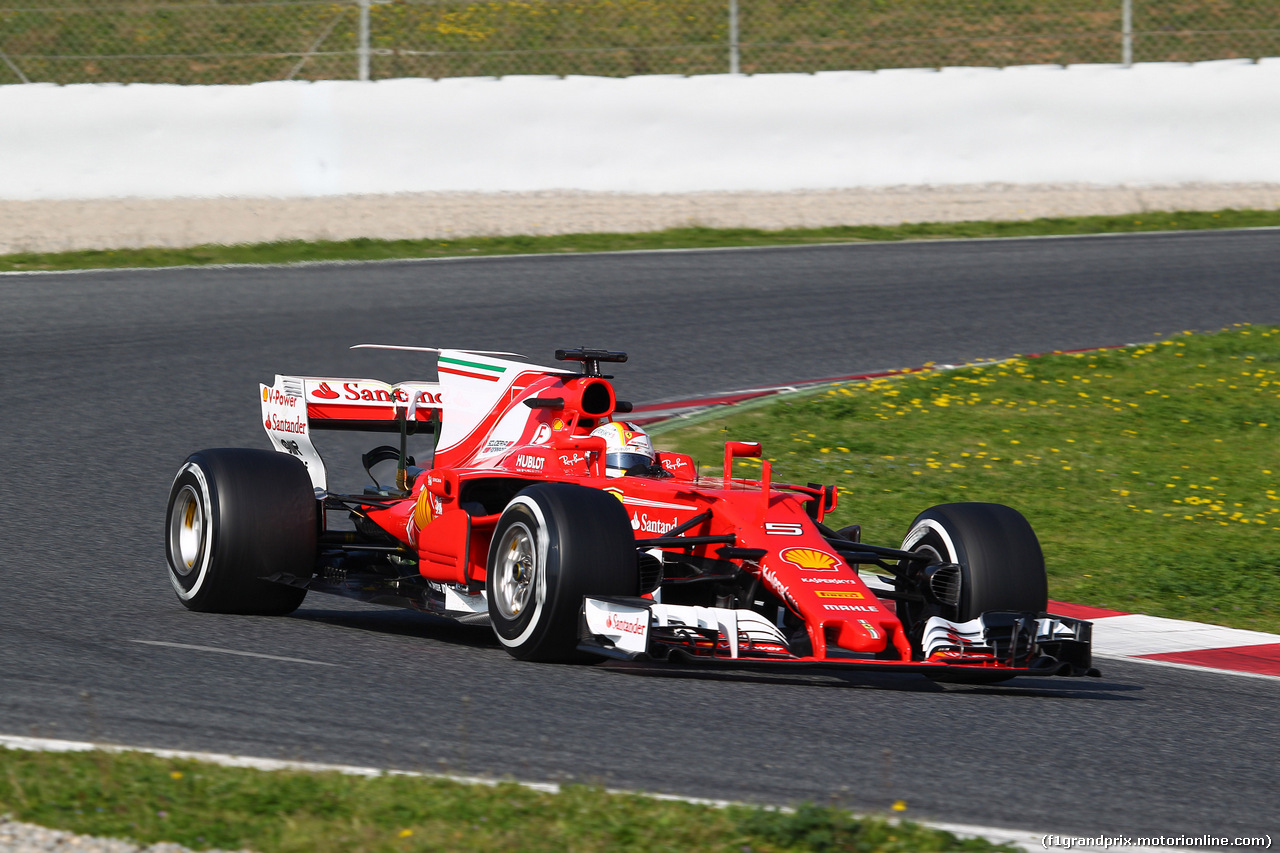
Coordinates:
810	559
266	394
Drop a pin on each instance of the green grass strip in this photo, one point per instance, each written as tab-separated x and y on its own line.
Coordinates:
149	799
1150	473
676	238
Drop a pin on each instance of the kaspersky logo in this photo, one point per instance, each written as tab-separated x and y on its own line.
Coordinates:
810	559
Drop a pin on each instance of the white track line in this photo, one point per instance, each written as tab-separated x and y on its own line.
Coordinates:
1025	839
230	652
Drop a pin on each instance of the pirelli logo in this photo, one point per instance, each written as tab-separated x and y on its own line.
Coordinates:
837	593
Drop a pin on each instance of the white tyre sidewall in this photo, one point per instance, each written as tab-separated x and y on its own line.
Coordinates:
921	528
206	557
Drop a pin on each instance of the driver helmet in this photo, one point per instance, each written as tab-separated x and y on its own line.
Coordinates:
627	446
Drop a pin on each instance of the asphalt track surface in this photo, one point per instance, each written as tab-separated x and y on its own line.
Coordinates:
111	378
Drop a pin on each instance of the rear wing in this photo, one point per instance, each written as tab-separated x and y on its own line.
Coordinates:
296	405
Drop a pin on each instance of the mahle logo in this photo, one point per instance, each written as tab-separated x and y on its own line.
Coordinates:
810	559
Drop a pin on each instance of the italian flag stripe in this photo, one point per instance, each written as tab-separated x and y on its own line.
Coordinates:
474	364
488	377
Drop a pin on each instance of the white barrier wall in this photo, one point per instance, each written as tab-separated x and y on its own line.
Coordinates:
1214	122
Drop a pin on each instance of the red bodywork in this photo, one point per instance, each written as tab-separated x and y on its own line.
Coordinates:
504	425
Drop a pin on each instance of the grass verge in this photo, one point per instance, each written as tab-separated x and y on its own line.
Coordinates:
677	238
149	799
1149	473
73	41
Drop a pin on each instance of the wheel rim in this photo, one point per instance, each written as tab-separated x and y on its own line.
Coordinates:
925	548
516	569
187	526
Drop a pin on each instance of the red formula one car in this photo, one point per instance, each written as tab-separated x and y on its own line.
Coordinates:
543	515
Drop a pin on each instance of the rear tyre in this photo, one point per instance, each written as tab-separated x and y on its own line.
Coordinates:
554	544
236	516
1001	565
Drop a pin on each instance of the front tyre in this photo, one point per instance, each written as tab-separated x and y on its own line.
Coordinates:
1001	567
1001	564
554	544
236	516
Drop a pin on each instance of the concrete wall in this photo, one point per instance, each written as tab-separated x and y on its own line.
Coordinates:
1153	124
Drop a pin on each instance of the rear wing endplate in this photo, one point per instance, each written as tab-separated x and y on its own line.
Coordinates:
296	405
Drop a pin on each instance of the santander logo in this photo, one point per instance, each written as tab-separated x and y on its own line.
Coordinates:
615	622
294	425
361	393
642	522
772	580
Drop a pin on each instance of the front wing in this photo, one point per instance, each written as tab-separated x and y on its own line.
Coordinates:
994	644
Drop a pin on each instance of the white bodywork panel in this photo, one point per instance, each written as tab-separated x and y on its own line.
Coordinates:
476	388
284	416
458	603
627	626
971	637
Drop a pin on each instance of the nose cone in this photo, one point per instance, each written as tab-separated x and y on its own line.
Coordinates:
859	635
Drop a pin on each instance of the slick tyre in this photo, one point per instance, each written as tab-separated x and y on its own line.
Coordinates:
1001	564
554	544
236	516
